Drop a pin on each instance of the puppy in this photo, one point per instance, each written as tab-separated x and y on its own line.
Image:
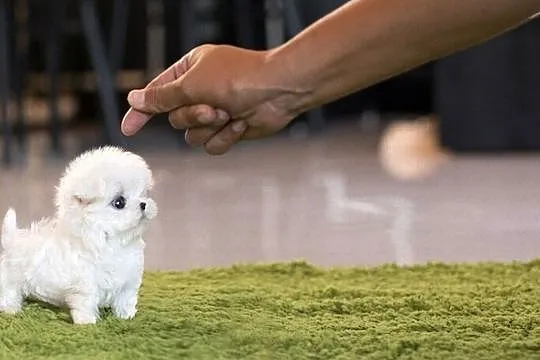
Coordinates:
90	255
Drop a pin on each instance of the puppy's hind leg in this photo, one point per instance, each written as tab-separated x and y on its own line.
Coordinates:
11	298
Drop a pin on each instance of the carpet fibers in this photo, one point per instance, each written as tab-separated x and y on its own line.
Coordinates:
298	311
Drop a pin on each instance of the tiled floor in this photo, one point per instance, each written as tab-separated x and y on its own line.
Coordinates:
324	199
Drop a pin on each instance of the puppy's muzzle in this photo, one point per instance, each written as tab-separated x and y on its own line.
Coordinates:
149	208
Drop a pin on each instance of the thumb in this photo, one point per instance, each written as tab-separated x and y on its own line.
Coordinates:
159	98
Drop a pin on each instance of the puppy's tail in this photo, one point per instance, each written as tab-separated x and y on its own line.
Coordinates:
9	228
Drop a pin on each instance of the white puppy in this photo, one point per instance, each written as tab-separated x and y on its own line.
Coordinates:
90	255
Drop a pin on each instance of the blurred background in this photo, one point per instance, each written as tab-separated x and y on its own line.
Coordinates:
437	164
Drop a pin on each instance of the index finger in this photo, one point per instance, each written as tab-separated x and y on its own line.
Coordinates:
134	120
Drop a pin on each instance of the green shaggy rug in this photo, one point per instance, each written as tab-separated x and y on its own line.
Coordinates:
298	311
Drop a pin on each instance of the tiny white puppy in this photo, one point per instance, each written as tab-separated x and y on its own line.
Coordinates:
90	255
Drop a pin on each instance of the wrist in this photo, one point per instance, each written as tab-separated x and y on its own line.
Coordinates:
288	92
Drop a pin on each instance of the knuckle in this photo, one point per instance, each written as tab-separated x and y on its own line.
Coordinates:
196	113
205	115
152	99
186	88
193	117
221	121
149	97
200	136
183	118
204	48
222	142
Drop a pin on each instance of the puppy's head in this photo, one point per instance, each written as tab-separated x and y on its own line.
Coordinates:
106	190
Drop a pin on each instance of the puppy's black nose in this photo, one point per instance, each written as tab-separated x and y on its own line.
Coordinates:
143	206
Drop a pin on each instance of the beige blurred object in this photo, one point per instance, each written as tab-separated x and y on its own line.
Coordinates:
36	109
411	150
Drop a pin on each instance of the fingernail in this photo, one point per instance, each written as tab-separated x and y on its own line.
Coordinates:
127	130
136	98
239	126
125	125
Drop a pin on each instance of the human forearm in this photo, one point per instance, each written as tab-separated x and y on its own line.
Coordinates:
367	41
223	94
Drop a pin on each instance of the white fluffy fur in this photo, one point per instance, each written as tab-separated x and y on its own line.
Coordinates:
90	255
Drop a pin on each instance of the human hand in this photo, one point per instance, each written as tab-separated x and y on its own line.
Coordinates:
219	94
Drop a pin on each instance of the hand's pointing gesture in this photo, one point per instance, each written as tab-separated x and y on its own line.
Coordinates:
216	93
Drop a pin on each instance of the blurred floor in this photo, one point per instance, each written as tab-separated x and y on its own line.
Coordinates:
324	199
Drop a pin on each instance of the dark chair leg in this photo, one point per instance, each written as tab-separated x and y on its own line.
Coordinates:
21	129
106	83
52	65
5	83
188	24
19	59
243	10
118	34
294	24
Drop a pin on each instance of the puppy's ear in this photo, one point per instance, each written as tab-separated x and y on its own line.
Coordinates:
83	200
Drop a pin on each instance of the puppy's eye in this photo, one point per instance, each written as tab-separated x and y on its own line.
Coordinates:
119	202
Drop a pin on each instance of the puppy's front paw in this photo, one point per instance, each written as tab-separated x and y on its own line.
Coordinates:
125	313
10	306
10	309
83	317
125	305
